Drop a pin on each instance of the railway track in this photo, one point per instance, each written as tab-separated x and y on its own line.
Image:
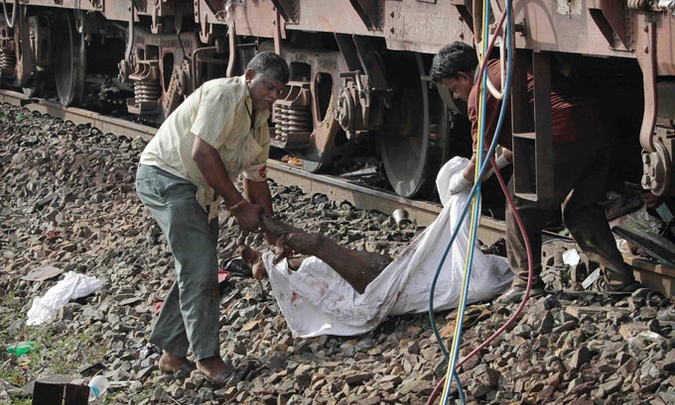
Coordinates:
653	274
335	188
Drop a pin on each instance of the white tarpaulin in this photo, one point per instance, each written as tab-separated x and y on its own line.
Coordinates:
315	300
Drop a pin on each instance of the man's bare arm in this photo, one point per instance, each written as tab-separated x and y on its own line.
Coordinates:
212	168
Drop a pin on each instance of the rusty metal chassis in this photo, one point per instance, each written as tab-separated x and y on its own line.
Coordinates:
598	28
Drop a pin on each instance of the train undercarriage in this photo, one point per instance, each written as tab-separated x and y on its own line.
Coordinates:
359	72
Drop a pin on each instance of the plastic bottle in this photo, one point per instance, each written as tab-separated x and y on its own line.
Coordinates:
21	348
97	387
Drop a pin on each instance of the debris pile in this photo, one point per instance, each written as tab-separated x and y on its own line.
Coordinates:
67	202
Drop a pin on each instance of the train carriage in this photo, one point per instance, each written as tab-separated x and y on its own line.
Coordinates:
359	71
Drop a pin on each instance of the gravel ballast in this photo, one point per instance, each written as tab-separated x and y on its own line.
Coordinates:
68	203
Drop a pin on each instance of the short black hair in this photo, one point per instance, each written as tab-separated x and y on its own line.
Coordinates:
452	59
271	65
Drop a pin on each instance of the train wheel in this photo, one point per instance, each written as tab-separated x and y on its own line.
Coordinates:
70	61
414	140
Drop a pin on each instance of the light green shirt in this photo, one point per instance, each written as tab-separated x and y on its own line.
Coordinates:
219	112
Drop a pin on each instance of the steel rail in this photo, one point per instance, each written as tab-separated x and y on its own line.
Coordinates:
79	116
335	188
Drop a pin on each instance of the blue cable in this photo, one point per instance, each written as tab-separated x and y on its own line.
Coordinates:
475	189
476	197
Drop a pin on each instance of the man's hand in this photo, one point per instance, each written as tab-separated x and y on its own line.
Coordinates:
463	179
458	183
248	216
213	169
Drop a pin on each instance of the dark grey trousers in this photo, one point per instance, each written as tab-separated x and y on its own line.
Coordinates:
580	171
190	313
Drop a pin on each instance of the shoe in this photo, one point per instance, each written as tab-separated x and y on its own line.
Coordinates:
516	294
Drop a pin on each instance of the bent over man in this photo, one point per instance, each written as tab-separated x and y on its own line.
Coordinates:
217	133
580	165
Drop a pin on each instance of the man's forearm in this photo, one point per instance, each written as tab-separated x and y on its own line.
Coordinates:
212	168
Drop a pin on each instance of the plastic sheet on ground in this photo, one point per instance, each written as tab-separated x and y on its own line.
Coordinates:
73	286
315	300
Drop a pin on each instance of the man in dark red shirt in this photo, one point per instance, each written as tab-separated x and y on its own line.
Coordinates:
580	167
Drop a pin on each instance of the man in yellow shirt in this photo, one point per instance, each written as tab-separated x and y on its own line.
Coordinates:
217	133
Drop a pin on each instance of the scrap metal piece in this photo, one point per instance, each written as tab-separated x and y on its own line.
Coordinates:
592	278
654	245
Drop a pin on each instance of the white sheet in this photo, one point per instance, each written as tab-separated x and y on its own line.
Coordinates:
315	300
